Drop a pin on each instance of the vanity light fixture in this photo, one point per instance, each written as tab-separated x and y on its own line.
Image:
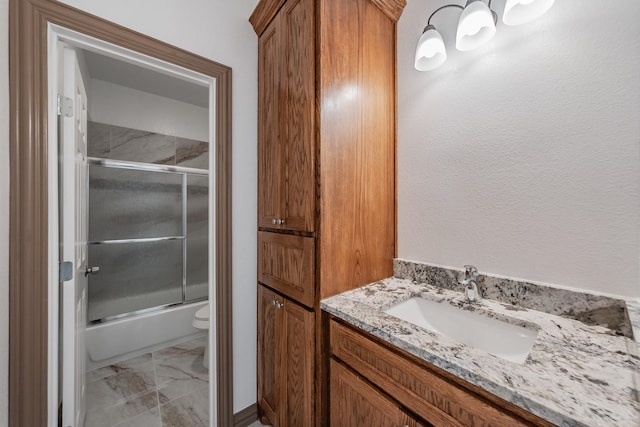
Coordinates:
476	26
518	12
430	53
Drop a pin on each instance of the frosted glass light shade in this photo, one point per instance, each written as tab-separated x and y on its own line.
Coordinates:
518	12
430	52
475	27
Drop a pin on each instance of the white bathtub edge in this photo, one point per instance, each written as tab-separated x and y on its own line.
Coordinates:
123	339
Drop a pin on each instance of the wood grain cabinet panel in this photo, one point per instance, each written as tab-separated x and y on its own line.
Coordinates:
357	153
355	403
299	353
269	352
286	81
299	115
326	157
286	351
285	263
269	134
432	394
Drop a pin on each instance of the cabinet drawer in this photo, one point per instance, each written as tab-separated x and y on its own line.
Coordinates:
286	263
426	393
354	403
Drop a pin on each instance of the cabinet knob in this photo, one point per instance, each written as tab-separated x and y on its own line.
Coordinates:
274	221
281	221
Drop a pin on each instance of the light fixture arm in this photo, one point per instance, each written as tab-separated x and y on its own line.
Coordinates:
443	7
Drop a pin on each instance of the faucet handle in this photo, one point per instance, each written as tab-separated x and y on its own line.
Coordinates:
470	271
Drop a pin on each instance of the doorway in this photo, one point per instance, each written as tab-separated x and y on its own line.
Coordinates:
34	268
134	214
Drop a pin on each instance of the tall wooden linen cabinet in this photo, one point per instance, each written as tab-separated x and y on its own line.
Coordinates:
326	183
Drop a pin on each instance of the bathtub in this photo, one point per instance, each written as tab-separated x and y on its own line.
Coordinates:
122	339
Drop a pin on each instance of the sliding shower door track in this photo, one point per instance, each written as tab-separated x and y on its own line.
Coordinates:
141	240
144	311
149	167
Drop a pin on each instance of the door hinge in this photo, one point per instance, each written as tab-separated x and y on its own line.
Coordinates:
66	271
65	106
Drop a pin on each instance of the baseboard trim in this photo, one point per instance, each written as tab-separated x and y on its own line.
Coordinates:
246	416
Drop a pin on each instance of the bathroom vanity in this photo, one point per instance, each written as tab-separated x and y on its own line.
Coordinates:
433	394
575	374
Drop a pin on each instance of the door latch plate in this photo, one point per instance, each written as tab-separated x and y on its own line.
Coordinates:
66	271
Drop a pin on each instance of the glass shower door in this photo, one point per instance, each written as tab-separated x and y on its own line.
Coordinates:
137	236
197	252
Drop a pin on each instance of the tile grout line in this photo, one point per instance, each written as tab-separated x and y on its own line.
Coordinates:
155	381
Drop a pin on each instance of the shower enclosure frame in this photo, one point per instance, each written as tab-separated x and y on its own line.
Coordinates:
33	345
185	172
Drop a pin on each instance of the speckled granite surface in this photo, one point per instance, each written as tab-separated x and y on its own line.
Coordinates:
588	308
575	375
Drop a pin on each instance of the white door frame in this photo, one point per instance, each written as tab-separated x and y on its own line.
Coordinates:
55	35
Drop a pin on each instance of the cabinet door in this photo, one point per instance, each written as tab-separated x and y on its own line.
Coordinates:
297	32
286	105
270	158
299	354
286	264
269	353
356	403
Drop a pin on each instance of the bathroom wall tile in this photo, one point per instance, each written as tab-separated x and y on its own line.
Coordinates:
633	344
633	310
98	140
191	410
141	146
633	350
192	153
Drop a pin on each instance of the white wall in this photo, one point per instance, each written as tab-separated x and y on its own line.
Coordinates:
215	29
117	105
4	212
523	157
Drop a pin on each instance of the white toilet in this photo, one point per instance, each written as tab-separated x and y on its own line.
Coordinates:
201	321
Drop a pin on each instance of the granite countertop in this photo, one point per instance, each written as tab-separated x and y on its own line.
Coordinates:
575	375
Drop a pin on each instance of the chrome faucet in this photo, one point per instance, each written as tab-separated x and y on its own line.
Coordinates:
471	291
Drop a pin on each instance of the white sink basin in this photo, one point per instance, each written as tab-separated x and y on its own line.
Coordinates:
502	339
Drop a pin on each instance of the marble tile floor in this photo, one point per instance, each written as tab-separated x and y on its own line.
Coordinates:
166	388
